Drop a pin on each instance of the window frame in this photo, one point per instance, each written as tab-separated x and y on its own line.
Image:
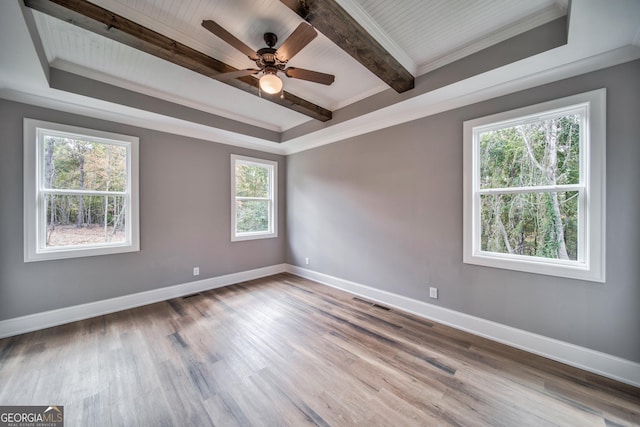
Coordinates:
33	189
272	166
590	264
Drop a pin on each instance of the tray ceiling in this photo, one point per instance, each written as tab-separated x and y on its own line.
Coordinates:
421	35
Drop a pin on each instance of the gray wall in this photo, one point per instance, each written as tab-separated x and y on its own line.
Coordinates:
184	221
385	210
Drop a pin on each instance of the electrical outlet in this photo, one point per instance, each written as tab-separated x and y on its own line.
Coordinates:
196	271
306	260
433	293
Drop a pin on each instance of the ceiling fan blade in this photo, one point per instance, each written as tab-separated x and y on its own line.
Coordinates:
234	74
300	37
229	38
312	76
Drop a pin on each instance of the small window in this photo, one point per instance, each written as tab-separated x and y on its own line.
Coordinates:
253	204
534	188
80	192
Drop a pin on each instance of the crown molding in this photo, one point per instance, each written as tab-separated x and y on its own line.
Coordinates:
103	110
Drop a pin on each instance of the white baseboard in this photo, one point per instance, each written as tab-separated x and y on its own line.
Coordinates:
590	360
597	362
33	322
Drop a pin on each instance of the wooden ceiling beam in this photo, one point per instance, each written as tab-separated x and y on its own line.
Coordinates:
118	28
328	17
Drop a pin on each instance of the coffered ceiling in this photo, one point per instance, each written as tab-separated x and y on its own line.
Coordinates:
457	51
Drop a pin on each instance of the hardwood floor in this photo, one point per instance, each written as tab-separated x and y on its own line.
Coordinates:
287	351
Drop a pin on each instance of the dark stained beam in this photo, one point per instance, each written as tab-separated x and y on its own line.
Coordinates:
115	27
328	17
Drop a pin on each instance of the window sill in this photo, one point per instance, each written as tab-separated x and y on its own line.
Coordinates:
559	268
253	236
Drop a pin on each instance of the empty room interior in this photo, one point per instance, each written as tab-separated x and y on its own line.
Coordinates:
328	212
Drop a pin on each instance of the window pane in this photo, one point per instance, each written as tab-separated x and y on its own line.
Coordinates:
534	224
252	180
252	216
545	152
84	220
83	165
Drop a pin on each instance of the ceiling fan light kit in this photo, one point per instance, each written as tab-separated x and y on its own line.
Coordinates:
271	84
269	60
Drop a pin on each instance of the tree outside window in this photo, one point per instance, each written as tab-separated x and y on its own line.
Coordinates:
254	195
80	192
534	188
84	191
544	156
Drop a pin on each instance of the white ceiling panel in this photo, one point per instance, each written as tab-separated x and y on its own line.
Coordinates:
420	34
248	20
73	49
435	32
94	56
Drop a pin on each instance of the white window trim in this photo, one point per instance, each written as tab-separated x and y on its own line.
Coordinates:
34	225
592	212
273	196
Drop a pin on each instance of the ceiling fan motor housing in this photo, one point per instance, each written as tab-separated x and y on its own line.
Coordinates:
270	39
267	59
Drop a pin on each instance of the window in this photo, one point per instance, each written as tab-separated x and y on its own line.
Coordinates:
253	204
80	192
534	188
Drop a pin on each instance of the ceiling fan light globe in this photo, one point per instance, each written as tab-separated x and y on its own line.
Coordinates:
270	83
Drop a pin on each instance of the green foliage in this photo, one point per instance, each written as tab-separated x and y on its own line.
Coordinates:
252	181
252	186
252	216
542	153
72	164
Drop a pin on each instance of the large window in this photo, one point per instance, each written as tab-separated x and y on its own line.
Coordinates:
253	204
534	188
80	192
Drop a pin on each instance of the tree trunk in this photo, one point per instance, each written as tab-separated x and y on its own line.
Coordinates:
549	167
559	229
106	199
500	224
117	223
503	233
49	171
65	210
552	170
80	219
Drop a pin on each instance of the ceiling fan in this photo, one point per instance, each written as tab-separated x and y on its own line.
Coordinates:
269	60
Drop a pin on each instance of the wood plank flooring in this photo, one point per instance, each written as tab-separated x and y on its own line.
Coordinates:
285	351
